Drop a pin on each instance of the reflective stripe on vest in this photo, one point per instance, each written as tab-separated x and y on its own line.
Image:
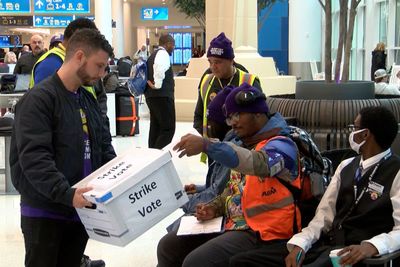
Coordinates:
268	205
205	87
60	52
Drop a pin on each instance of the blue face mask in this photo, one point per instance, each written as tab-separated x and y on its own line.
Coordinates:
355	146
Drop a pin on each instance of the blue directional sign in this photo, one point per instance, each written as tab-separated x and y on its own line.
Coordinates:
61	6
154	13
52	21
15	6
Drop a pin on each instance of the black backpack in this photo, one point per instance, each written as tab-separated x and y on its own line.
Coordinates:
7	83
124	66
315	174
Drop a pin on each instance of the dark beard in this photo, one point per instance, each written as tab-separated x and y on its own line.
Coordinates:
85	78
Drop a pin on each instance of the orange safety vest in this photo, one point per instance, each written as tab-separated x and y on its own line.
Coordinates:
268	205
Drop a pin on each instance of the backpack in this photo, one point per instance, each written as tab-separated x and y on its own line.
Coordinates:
137	84
315	174
7	83
110	82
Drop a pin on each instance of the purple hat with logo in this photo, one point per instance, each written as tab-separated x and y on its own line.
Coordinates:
221	47
59	37
214	109
246	98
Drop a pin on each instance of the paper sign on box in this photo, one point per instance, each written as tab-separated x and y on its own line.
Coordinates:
132	193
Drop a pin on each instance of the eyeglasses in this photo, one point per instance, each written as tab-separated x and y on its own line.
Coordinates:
352	127
231	119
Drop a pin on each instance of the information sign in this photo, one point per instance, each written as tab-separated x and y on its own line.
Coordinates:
16	21
53	21
154	13
62	6
14	6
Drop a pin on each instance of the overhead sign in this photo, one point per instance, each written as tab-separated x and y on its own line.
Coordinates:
154	13
10	41
52	21
14	6
62	6
16	21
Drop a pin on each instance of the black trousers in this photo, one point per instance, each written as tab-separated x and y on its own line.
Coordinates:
162	121
216	250
53	243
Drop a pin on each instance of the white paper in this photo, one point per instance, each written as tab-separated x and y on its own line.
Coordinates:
191	226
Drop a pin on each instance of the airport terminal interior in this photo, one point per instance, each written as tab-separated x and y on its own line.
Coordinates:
283	43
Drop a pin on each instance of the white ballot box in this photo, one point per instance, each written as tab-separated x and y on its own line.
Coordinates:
131	193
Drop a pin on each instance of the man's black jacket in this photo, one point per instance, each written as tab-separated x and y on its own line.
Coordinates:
47	149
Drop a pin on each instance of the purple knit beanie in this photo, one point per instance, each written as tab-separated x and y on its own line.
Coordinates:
245	98
214	109
221	47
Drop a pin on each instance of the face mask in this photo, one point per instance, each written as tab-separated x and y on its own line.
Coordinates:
353	144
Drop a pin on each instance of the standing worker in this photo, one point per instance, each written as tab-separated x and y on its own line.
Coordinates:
160	94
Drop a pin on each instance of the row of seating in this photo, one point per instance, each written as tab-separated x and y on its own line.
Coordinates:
327	120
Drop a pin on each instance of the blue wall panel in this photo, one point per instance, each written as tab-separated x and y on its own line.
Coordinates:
273	35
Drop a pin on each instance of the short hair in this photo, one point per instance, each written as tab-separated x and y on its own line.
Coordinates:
165	38
78	24
381	122
88	40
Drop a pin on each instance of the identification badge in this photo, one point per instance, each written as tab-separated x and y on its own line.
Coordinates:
375	187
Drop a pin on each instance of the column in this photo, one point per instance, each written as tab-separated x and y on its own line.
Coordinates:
305	37
128	29
102	14
237	18
118	32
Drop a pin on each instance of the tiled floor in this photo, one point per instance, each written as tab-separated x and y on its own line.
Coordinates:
141	252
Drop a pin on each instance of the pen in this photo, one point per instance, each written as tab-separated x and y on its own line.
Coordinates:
298	257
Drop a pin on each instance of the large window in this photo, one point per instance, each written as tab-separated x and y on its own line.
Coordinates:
397	28
383	21
357	50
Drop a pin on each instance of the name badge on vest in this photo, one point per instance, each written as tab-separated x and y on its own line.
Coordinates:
375	190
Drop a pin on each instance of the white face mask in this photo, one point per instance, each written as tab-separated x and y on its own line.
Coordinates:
353	144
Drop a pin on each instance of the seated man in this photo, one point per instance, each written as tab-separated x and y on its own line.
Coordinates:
246	207
365	220
218	174
381	84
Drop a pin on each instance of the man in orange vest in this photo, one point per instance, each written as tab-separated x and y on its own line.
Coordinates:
259	209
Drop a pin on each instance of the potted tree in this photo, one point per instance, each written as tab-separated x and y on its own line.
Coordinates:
337	84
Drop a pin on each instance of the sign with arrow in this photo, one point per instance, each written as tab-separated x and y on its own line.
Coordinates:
62	6
52	21
15	6
154	13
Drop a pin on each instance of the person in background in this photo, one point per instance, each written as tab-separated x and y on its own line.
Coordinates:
55	40
159	94
66	142
221	56
10	58
25	49
2	54
381	84
378	59
360	210
26	62
142	54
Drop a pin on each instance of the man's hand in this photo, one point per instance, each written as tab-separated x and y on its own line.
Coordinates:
356	253
152	86
190	188
78	200
205	212
295	257
189	145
